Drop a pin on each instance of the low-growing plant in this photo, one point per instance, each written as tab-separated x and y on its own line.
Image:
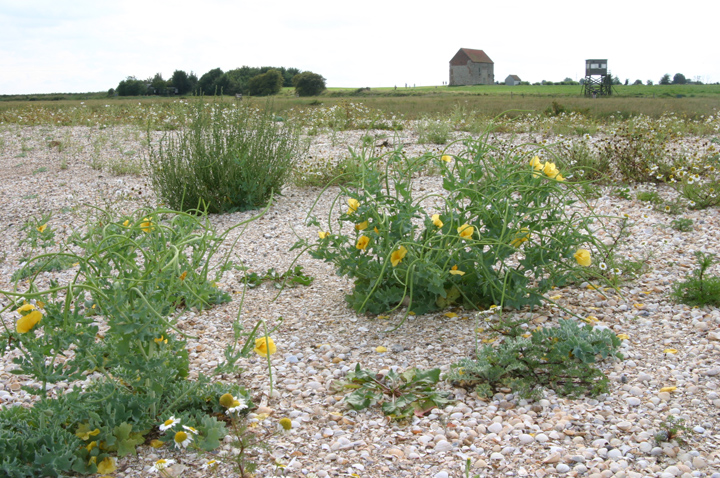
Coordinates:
672	429
682	224
432	131
400	395
581	163
291	277
134	272
699	289
502	232
40	235
226	159
561	358
649	196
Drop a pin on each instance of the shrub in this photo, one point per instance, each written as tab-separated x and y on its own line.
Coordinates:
501	233
266	84
225	160
308	83
432	131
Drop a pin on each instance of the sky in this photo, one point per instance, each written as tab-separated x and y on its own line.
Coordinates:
74	46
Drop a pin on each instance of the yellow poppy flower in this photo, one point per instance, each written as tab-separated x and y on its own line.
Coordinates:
161	340
466	231
84	433
454	271
450	315
42	228
550	170
436	220
147	225
323	234
26	307
354	205
535	163
521	236
447	158
183	275
264	346
623	336
26	323
362	242
91	445
376	230
126	223
582	256
397	256
362	226
108	465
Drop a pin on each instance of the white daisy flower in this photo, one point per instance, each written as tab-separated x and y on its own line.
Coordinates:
190	429
161	464
603	266
182	440
209	464
169	423
617	271
238	404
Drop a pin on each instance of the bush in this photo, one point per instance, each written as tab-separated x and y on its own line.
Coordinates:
266	84
225	160
502	233
308	83
699	289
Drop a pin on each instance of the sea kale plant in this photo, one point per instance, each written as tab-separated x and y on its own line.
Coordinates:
504	230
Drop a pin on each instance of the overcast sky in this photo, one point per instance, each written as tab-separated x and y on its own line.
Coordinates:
64	46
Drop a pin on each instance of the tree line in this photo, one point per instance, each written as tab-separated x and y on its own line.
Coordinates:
246	80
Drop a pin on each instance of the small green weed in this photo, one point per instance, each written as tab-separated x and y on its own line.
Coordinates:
699	289
400	395
682	224
291	277
673	429
649	196
560	358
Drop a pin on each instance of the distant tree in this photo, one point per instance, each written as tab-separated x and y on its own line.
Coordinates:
181	81
288	75
208	83
111	92
308	83
637	82
158	86
649	82
266	84
615	80
665	80
626	81
131	86
679	79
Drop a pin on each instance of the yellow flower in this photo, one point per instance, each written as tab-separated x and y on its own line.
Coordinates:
157	444
108	465
559	177
183	275
397	256
521	236
354	205
535	163
376	230
26	307
466	231
42	228
26	323
91	445
582	256
436	220
550	170
161	340
126	223
147	225
362	226
323	234
447	158
286	423
450	315
227	400
454	271
362	242
264	346
623	336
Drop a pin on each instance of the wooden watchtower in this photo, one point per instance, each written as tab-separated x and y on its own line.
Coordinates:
598	82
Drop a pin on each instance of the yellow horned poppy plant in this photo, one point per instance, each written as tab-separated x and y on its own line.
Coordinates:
535	163
362	242
446	158
466	231
147	225
323	234
264	346
42	228
436	220
362	226
397	256
454	271
582	256
521	236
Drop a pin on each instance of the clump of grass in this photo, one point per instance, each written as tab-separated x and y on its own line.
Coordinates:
649	196
433	131
682	224
699	289
226	159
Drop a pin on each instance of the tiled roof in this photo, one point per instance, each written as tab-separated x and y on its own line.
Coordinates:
478	56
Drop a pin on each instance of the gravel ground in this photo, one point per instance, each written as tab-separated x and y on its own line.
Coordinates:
320	339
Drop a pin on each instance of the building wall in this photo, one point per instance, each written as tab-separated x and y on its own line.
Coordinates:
472	74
